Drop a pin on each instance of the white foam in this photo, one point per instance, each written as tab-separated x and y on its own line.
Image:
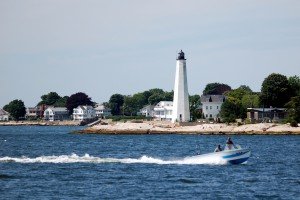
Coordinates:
74	158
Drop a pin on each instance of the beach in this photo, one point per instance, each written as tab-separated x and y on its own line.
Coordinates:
190	128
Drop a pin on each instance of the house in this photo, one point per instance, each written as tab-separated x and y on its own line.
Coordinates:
211	105
56	113
36	112
164	110
102	111
266	114
4	116
31	112
83	113
147	111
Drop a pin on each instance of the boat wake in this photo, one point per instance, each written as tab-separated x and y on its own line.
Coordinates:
74	158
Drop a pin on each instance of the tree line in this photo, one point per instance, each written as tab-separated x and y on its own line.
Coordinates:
277	90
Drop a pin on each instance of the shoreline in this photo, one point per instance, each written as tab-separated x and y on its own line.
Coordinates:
40	123
203	129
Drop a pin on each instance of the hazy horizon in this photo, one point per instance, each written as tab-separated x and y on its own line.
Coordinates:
102	48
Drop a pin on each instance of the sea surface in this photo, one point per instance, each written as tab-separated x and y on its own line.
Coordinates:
52	163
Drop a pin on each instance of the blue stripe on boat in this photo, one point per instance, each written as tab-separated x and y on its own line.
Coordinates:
236	154
238	161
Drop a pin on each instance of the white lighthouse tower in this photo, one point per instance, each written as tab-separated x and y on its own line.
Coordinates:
181	107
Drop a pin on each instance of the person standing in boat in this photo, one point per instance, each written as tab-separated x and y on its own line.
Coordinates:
219	148
229	144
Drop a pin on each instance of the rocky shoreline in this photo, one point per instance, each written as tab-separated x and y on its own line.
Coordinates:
205	129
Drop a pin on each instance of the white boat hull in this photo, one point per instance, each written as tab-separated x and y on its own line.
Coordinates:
235	156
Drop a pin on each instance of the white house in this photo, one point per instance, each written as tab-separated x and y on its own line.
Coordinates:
4	116
211	105
56	113
147	111
84	112
164	110
102	111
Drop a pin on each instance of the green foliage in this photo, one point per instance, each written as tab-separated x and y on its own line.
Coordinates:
293	107
155	98
131	104
250	101
16	109
294	82
216	89
61	102
115	103
76	100
275	91
53	99
49	99
195	102
239	92
157	95
232	110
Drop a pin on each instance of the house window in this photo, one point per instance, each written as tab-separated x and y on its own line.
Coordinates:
210	107
206	107
206	115
210	115
217	107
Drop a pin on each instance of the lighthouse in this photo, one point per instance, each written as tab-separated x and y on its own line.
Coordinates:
181	107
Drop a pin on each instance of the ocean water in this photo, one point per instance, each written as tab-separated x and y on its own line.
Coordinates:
51	163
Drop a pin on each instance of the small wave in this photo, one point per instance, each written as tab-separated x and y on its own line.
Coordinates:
74	158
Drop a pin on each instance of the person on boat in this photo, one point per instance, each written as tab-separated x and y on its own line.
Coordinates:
219	148
229	144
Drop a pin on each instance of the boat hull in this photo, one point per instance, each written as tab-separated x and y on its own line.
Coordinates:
235	156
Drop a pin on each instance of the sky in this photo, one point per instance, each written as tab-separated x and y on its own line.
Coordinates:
129	46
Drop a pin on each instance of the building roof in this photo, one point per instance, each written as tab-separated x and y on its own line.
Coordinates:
3	112
102	107
84	107
265	109
164	103
148	107
58	109
212	98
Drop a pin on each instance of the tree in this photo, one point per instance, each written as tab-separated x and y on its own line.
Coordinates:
216	89
195	102
168	96
61	102
49	99
78	99
130	106
232	110
239	92
275	91
293	107
115	103
250	101
294	82
16	109
155	99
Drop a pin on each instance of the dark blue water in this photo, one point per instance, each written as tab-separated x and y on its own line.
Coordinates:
51	163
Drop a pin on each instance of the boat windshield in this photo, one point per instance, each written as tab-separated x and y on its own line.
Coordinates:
232	146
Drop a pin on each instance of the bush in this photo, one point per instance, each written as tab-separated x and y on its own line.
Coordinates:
294	123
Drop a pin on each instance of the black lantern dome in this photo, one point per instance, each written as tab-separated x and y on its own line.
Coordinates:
181	55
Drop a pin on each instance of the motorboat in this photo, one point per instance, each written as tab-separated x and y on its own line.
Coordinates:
234	155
